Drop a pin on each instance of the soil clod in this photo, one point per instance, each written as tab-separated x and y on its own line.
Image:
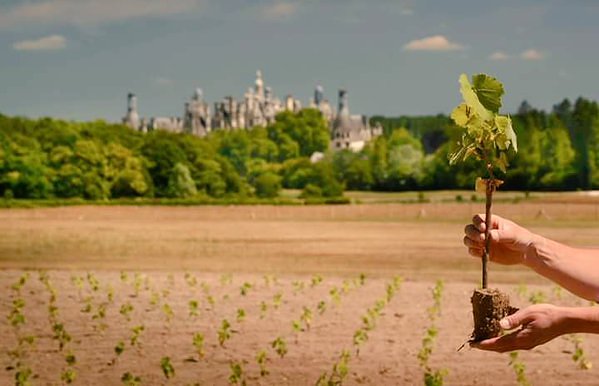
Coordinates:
489	306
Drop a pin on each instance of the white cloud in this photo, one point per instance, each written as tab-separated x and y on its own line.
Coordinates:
433	43
163	82
499	56
89	12
532	54
279	10
407	11
46	43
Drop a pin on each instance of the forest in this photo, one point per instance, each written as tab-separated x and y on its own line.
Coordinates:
49	158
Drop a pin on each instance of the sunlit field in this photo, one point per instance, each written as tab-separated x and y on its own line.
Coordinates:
359	294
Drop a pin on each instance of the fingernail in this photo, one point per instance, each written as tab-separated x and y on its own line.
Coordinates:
504	323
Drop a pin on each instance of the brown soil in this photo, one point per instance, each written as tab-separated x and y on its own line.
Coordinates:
161	245
489	306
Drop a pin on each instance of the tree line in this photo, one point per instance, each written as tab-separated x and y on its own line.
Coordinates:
50	158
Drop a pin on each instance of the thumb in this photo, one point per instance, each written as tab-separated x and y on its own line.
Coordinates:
499	235
515	320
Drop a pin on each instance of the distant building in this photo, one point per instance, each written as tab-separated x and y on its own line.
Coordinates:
351	131
132	117
258	108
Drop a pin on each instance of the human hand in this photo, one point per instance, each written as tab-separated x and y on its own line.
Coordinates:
510	243
540	324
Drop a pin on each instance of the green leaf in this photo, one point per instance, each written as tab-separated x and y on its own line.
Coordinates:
461	114
504	124
471	99
502	162
511	134
488	90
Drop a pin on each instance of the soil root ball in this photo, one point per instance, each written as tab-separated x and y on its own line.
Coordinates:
489	306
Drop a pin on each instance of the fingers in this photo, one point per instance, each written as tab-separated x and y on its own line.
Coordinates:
473	233
479	221
476	252
517	340
518	318
474	240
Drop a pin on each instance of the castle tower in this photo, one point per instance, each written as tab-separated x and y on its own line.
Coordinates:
132	117
197	118
318	95
343	104
259	86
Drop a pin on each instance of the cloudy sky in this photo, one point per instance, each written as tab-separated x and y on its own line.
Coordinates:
77	59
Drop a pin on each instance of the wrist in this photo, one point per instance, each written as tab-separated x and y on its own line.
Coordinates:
531	256
579	320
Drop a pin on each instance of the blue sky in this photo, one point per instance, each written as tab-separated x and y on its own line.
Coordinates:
77	59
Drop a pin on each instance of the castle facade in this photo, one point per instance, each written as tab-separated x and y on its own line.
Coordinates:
258	107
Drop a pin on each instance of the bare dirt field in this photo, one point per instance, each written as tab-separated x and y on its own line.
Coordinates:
98	261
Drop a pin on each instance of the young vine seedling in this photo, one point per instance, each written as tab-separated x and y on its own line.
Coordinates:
194	308
261	359
224	333
136	333
237	376
129	379
167	367
280	346
198	343
487	138
240	315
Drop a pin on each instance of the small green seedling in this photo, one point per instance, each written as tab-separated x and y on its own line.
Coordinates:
23	376
306	317
194	308
579	357
167	368
119	348
61	335
360	337
129	379
240	315
190	279
321	307
280	346
136	332
277	300
70	359
226	278
237	376
198	343
93	282
298	286
168	312
335	295
224	333
126	310
316	280
68	376
519	369
263	309
244	289
154	298
261	359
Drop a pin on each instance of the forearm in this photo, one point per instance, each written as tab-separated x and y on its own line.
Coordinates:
575	269
581	320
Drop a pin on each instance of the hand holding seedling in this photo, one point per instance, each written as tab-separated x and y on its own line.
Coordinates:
535	325
510	243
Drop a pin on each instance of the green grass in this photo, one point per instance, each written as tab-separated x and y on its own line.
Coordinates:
283	200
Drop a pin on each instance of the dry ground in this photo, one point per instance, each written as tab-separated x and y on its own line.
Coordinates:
420	242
